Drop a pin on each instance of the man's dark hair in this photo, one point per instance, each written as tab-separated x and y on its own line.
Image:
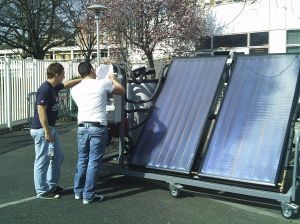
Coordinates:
54	69
84	68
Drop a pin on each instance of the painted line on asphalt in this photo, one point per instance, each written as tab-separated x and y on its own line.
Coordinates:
17	202
238	205
250	209
25	200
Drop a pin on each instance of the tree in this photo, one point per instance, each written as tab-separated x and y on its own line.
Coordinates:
149	23
86	37
84	22
36	26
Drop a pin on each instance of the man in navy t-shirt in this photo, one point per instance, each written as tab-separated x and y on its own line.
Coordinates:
47	95
48	152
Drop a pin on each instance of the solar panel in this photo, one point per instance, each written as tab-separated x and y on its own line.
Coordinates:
249	139
172	134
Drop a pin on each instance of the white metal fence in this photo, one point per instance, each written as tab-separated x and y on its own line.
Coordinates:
18	78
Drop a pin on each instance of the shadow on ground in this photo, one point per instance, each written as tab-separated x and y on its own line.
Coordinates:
116	187
18	139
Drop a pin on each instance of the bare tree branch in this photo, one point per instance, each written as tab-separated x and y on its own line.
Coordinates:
35	26
146	24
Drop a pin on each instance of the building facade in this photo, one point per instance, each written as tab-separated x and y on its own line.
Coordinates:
253	26
241	26
73	53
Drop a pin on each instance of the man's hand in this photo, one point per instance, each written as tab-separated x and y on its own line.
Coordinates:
49	137
112	76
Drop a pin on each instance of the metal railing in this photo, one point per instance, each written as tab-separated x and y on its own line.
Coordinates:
18	79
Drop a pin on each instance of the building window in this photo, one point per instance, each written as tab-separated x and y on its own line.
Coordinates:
221	53
258	39
258	51
217	2
293	49
258	43
204	43
104	53
293	37
227	41
293	41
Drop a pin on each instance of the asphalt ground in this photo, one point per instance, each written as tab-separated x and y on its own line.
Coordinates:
128	200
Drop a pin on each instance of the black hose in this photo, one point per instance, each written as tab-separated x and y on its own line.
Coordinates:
131	74
128	144
138	110
156	91
144	121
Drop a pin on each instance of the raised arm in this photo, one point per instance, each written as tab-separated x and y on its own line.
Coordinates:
118	88
71	83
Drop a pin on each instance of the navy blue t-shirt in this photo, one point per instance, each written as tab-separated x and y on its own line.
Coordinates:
47	95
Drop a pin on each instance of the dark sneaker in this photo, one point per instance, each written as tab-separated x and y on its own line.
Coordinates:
57	189
95	199
49	195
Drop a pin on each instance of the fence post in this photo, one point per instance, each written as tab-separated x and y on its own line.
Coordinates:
35	74
72	76
8	93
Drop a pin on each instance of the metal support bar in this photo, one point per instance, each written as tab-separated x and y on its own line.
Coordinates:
295	170
288	153
212	45
122	78
281	197
97	16
70	97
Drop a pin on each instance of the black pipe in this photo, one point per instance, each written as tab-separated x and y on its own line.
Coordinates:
156	91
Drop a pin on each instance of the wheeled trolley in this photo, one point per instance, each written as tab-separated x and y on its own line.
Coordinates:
220	126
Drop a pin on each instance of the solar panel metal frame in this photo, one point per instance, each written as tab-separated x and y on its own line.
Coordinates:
220	84
284	145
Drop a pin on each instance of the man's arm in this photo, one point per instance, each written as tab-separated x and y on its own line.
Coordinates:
44	122
71	83
118	88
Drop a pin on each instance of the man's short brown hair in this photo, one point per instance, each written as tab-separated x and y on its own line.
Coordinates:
54	69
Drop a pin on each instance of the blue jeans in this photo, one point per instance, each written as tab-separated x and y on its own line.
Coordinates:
91	145
46	174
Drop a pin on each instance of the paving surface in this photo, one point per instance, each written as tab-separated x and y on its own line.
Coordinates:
128	200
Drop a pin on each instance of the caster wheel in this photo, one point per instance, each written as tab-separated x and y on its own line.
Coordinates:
175	190
287	211
175	193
